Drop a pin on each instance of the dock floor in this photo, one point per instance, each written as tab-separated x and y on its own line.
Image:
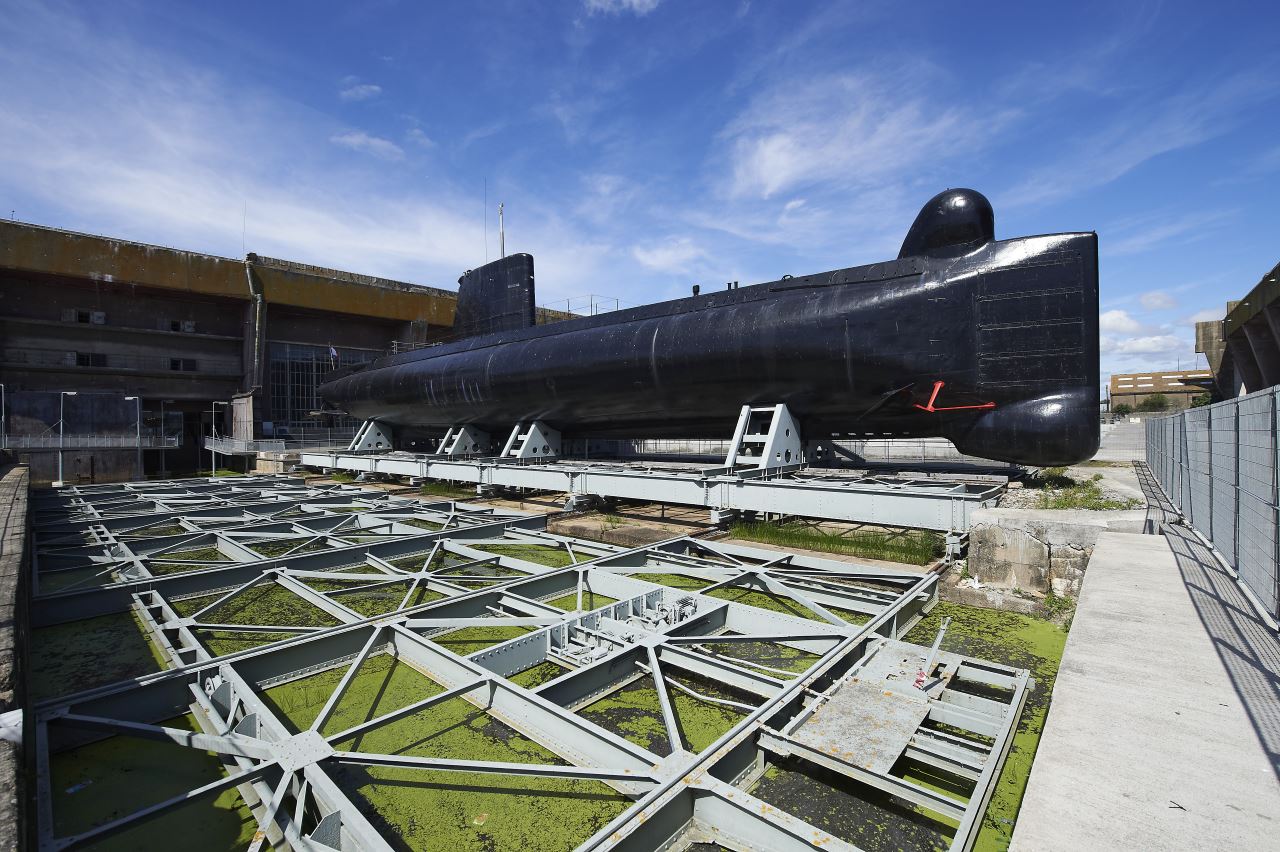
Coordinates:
1164	732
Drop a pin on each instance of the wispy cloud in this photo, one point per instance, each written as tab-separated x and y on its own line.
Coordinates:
673	255
851	130
359	92
358	140
1135	236
1158	300
1194	114
420	138
1206	315
639	8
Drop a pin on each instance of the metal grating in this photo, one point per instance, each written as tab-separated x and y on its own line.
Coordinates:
278	608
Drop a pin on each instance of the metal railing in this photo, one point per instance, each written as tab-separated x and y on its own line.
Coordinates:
73	360
309	439
398	346
1220	466
87	442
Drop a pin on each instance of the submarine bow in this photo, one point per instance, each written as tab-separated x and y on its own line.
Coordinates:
990	343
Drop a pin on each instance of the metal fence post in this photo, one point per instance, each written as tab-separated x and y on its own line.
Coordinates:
1275	500
1208	439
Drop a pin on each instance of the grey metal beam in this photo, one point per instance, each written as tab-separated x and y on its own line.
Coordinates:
536	770
924	797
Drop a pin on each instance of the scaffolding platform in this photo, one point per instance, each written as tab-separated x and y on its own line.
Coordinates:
918	503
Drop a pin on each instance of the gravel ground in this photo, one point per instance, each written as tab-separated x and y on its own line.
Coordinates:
1117	483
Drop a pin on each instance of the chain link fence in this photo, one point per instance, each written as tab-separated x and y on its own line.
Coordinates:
1219	466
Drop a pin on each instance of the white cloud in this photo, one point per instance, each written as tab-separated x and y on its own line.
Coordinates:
359	92
1148	345
675	255
639	8
852	130
135	142
1158	300
1206	315
358	140
1118	322
417	137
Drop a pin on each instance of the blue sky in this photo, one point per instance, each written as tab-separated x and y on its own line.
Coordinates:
641	146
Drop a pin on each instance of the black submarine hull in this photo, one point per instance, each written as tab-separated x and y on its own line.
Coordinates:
994	347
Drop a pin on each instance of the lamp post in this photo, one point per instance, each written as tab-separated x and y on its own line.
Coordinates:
213	428
138	432
164	469
62	428
4	432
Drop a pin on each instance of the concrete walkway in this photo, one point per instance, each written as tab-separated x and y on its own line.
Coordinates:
1152	742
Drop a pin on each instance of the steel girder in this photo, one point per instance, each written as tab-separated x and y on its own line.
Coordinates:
291	781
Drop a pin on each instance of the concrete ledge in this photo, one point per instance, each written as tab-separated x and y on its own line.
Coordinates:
13	612
1147	745
1041	549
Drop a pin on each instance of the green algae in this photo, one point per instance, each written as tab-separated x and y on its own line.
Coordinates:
156	531
295	547
863	816
1016	640
542	554
79	578
480	812
633	712
80	655
269	603
418	809
876	821
777	603
187	607
195	554
416	561
468	640
913	547
677	581
590	600
107	779
374	602
222	642
769	654
536	676
163	569
383	684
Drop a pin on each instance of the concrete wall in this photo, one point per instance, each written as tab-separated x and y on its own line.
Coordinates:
1039	550
13	636
54	284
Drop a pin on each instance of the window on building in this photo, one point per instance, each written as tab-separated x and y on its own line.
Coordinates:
296	370
91	359
185	365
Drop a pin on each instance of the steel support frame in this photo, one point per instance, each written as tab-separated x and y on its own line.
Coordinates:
919	504
673	793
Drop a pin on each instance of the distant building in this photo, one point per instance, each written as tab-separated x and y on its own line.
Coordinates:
1243	348
1178	387
89	322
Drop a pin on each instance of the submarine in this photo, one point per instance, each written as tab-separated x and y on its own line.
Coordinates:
992	344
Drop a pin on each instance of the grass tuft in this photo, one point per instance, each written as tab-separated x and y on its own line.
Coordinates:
1084	495
913	547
